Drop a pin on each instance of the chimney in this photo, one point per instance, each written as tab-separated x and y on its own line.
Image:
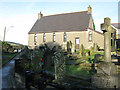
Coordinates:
40	15
89	10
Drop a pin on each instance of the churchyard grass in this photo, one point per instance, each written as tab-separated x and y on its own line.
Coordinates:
80	66
78	70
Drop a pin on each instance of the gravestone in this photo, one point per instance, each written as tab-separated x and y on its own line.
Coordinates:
36	65
59	64
73	49
97	58
47	59
69	46
106	76
95	47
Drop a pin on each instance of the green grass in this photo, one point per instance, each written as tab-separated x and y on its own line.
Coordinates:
78	70
6	57
86	58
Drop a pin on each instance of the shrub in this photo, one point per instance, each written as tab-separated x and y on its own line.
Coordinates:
26	53
5	46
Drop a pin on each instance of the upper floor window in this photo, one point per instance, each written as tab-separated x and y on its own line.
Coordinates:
44	37
65	37
90	35
54	37
35	38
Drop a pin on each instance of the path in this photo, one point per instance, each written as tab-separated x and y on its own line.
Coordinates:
7	75
7	79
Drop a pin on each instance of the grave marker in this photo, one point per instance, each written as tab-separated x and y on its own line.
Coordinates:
59	64
106	76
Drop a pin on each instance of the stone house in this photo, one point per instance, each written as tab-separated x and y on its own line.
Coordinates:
116	26
76	27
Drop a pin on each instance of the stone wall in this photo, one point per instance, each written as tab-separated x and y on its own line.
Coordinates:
83	37
99	39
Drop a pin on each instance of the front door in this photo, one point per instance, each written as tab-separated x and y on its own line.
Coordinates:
77	42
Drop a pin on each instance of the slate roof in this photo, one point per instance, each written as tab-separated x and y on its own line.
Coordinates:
62	22
116	25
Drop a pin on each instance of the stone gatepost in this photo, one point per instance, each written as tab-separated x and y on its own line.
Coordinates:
59	64
106	76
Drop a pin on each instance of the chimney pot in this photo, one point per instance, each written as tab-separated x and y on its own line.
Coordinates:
89	10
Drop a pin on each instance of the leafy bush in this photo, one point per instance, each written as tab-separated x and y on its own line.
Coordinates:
5	46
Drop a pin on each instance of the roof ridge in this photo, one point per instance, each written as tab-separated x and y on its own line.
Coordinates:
65	13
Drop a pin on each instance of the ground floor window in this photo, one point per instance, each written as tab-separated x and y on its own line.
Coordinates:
65	37
44	37
35	38
90	35
77	42
54	37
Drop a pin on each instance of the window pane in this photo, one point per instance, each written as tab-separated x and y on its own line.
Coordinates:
90	35
65	37
35	38
44	37
77	40
54	38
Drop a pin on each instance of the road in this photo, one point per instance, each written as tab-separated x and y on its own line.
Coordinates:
7	75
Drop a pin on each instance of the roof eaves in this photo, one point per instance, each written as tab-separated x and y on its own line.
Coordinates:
57	31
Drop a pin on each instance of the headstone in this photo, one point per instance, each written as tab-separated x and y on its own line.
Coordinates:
97	58
59	64
106	76
36	65
73	49
69	46
95	47
47	59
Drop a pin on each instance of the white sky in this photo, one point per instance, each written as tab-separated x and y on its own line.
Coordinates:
23	15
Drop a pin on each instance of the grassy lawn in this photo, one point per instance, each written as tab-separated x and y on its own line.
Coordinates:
7	56
81	69
78	70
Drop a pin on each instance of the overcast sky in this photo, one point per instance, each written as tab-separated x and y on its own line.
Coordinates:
22	15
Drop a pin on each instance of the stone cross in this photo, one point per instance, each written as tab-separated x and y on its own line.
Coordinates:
106	28
106	76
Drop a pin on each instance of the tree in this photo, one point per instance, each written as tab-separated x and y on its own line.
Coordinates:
5	46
